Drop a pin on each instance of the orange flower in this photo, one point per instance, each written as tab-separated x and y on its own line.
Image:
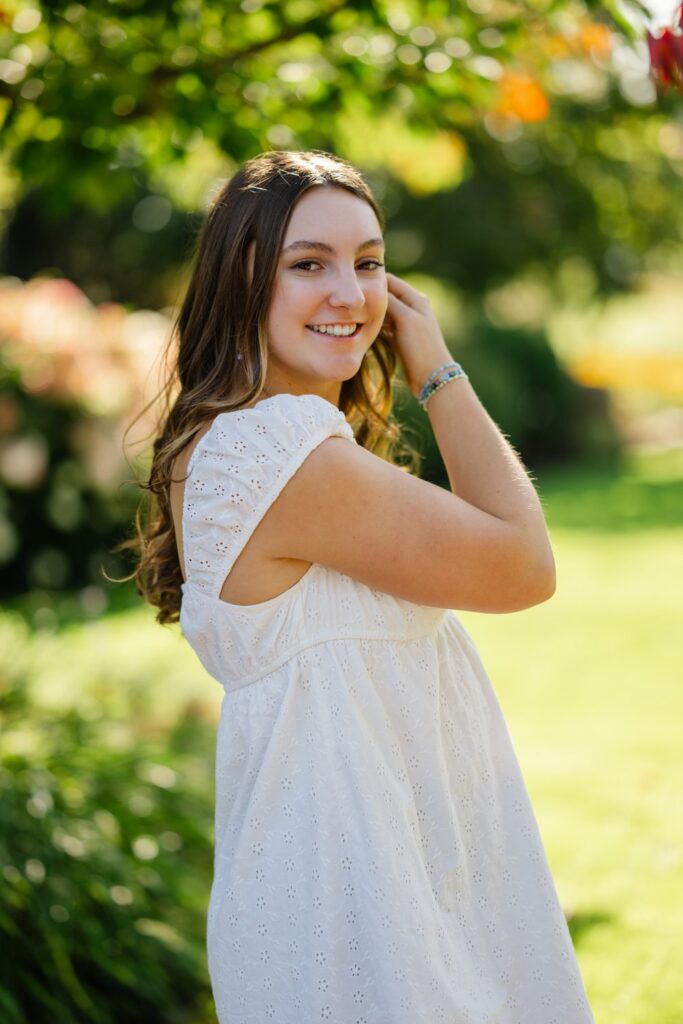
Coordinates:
521	97
596	39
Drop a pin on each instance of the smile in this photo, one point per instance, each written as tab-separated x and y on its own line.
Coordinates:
336	330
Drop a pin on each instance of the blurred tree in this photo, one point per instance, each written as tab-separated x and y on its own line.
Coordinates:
535	130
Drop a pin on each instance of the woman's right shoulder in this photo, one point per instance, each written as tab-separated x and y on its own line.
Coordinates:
352	511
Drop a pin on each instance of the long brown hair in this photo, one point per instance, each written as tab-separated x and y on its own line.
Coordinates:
221	358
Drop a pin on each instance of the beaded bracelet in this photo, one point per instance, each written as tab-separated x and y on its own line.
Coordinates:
436	373
433	377
431	386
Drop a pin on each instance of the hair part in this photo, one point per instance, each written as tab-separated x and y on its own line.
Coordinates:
217	354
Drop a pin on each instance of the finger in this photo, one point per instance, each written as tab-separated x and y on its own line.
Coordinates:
405	293
399	285
397	306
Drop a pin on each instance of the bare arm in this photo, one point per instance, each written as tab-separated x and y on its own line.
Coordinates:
483	467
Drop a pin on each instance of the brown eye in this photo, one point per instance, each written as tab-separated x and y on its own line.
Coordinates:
303	264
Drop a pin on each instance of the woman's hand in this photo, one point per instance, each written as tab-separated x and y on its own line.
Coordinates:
411	328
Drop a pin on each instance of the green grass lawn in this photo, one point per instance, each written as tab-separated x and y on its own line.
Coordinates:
589	682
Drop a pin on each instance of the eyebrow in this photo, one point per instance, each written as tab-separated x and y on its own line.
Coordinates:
324	247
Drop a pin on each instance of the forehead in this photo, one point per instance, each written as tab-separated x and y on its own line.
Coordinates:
325	213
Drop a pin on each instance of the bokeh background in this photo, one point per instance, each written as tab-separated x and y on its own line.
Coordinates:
531	170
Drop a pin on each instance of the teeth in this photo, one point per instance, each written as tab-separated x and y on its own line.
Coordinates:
337	330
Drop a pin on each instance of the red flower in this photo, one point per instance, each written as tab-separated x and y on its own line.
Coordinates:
666	55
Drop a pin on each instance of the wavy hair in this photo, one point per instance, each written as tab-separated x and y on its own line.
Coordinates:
217	355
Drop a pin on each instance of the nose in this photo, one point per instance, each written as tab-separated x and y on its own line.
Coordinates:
347	290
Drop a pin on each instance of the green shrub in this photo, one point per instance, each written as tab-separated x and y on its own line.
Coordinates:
105	859
546	415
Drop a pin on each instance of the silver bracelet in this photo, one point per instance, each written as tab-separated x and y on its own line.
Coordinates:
431	386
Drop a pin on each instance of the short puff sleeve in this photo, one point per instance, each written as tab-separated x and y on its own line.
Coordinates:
237	470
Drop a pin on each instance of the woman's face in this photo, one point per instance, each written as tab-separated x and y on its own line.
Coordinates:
330	272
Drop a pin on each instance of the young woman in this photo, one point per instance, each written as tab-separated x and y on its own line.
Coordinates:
377	858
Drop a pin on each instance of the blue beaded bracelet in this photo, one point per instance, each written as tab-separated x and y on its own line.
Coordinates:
436	373
432	385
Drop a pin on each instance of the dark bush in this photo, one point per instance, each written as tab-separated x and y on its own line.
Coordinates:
546	415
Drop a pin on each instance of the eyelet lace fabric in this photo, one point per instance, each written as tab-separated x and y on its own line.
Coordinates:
377	859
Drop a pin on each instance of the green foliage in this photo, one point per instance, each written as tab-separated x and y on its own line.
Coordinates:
594	192
520	382
106	854
540	409
537	133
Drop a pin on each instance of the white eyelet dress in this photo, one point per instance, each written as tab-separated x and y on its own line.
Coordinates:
377	859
